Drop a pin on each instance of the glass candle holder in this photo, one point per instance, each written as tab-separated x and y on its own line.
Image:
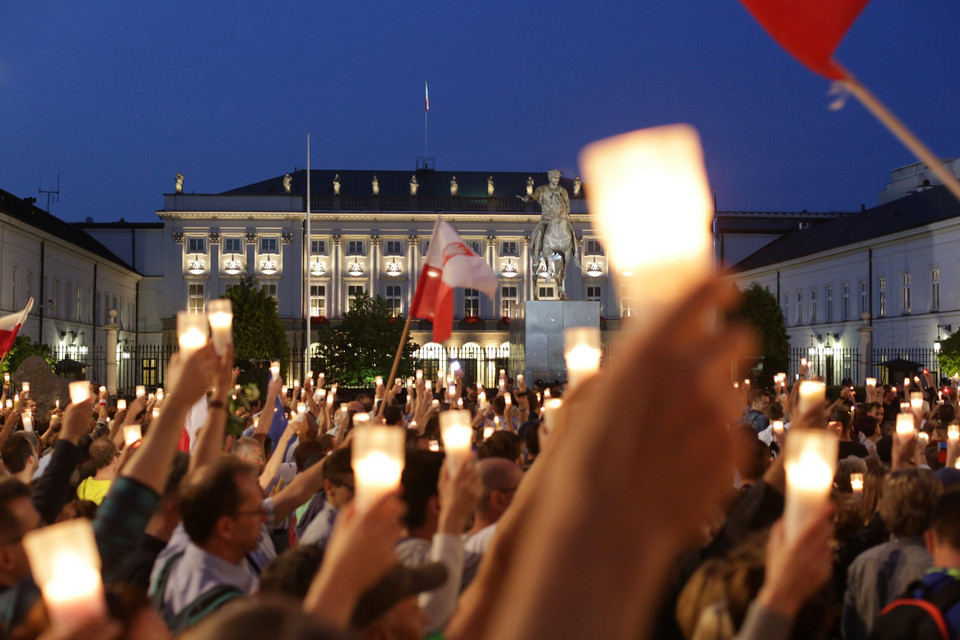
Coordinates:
457	436
377	458
581	350
131	433
220	316
192	332
810	463
812	393
79	391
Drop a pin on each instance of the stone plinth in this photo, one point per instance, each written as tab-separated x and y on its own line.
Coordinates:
536	336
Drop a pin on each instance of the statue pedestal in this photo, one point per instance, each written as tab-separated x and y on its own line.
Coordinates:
536	336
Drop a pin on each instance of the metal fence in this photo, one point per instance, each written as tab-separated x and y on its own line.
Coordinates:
887	365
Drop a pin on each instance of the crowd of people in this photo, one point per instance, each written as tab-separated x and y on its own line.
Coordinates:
638	509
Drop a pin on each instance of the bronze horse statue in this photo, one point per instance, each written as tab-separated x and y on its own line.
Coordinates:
553	240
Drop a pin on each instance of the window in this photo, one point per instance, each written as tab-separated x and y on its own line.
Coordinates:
78	309
828	300
549	292
394	293
475	246
508	300
355	248
196	300
786	308
626	303
509	248
318	300
813	306
845	292
353	291
593	293
88	304
319	247
393	248
65	305
268	245
934	288
906	292
471	303
592	248
197	245
270	288
233	244
882	286
148	371
864	303
14	302
799	307
55	300
30	287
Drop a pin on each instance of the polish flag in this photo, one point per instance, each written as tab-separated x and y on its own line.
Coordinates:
810	30
10	326
450	263
426	95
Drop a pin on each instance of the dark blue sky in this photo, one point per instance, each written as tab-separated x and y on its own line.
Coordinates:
121	95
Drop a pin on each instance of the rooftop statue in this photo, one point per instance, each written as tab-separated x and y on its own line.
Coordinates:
287	183
413	185
179	185
553	240
336	185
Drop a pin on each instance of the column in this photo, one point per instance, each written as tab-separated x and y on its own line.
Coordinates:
525	271
413	270
491	244
336	280
111	329
374	265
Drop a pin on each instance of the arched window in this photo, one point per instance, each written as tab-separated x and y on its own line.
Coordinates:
434	358
471	361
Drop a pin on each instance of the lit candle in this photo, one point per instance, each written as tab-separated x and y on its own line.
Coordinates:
778	428
520	378
156	414
457	436
121	404
377	457
904	407
16	400
301	407
79	391
434	403
451	392
906	383
856	483
419	375
141	391
803	362
812	393
953	432
503	374
283	389
65	565
434	445
9	403
496	423
330	398
871	383
274	369
428	385
57	404
551	407
905	427
923	438
459	403
379	382
916	403
546	393
6	377
482	398
296	383
220	314
192	332
581	350
131	433
810	462
25	387
736	385
507	400
487	432
503	385
27	420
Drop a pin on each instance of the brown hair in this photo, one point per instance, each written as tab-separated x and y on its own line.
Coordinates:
909	498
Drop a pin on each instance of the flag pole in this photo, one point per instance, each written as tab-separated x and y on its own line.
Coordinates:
396	363
897	128
307	250
426	111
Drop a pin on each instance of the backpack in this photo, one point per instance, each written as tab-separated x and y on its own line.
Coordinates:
205	604
918	617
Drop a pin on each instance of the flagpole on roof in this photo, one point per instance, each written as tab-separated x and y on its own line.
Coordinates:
307	250
426	110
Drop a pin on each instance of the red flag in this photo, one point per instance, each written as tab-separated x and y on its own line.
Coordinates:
450	263
809	30
10	326
426	95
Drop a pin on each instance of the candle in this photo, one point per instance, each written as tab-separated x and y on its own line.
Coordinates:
457	436
79	391
6	377
904	407
27	420
428	385
905	427
811	395
309	376
16	400
301	407
131	433
871	382
551	408
778	428
220	315
906	383
434	403
419	375
121	404
482	398
25	387
330	398
377	458
141	391
434	445
546	394
451	392
57	404
283	389
487	432
321	377
192	332
953	432
810	462
65	565
459	403
803	362
455	366
520	379
736	385
155	414
856	483
274	369
503	385
507	400
923	438
916	403
496	423
9	403
503	374
581	350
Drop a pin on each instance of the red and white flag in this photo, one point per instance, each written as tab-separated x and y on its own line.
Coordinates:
426	95
10	326
810	30
450	263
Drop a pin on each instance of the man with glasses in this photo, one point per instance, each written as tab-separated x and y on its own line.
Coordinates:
500	479
337	491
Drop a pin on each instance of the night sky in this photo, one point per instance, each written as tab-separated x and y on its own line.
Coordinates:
119	96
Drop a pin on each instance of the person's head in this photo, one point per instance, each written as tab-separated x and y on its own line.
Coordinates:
421	473
308	453
501	444
889	395
531	443
393	414
500	480
18	517
499	406
849	516
553	177
260	617
366	400
338	478
774	411
221	507
946	414
909	498
843	417
104	454
19	454
867	425
873	490
943	537
292	572
250	451
846	467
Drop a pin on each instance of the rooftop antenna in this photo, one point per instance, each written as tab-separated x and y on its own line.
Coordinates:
53	195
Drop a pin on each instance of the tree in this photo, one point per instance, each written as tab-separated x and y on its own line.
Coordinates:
22	349
760	311
364	345
949	355
258	334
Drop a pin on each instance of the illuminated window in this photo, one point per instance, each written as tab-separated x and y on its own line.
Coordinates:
318	247
592	248
353	291
471	303
393	248
318	300
394	293
196	300
355	248
508	300
197	244
268	244
233	244
509	248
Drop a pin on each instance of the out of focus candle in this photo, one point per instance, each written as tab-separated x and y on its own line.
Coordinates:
487	432
923	439
434	445
377	458
141	391
457	435
79	391
301	407
25	387
131	433
581	350
192	332
155	414
905	427
856	483
810	462
419	374
904	407
27	420
812	393
65	565
551	407
275	369
121	405
871	382
777	428
220	314
953	432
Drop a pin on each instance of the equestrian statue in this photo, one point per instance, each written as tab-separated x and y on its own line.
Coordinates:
553	241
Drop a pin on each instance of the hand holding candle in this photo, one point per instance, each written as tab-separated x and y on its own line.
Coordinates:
220	315
192	332
457	436
812	394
